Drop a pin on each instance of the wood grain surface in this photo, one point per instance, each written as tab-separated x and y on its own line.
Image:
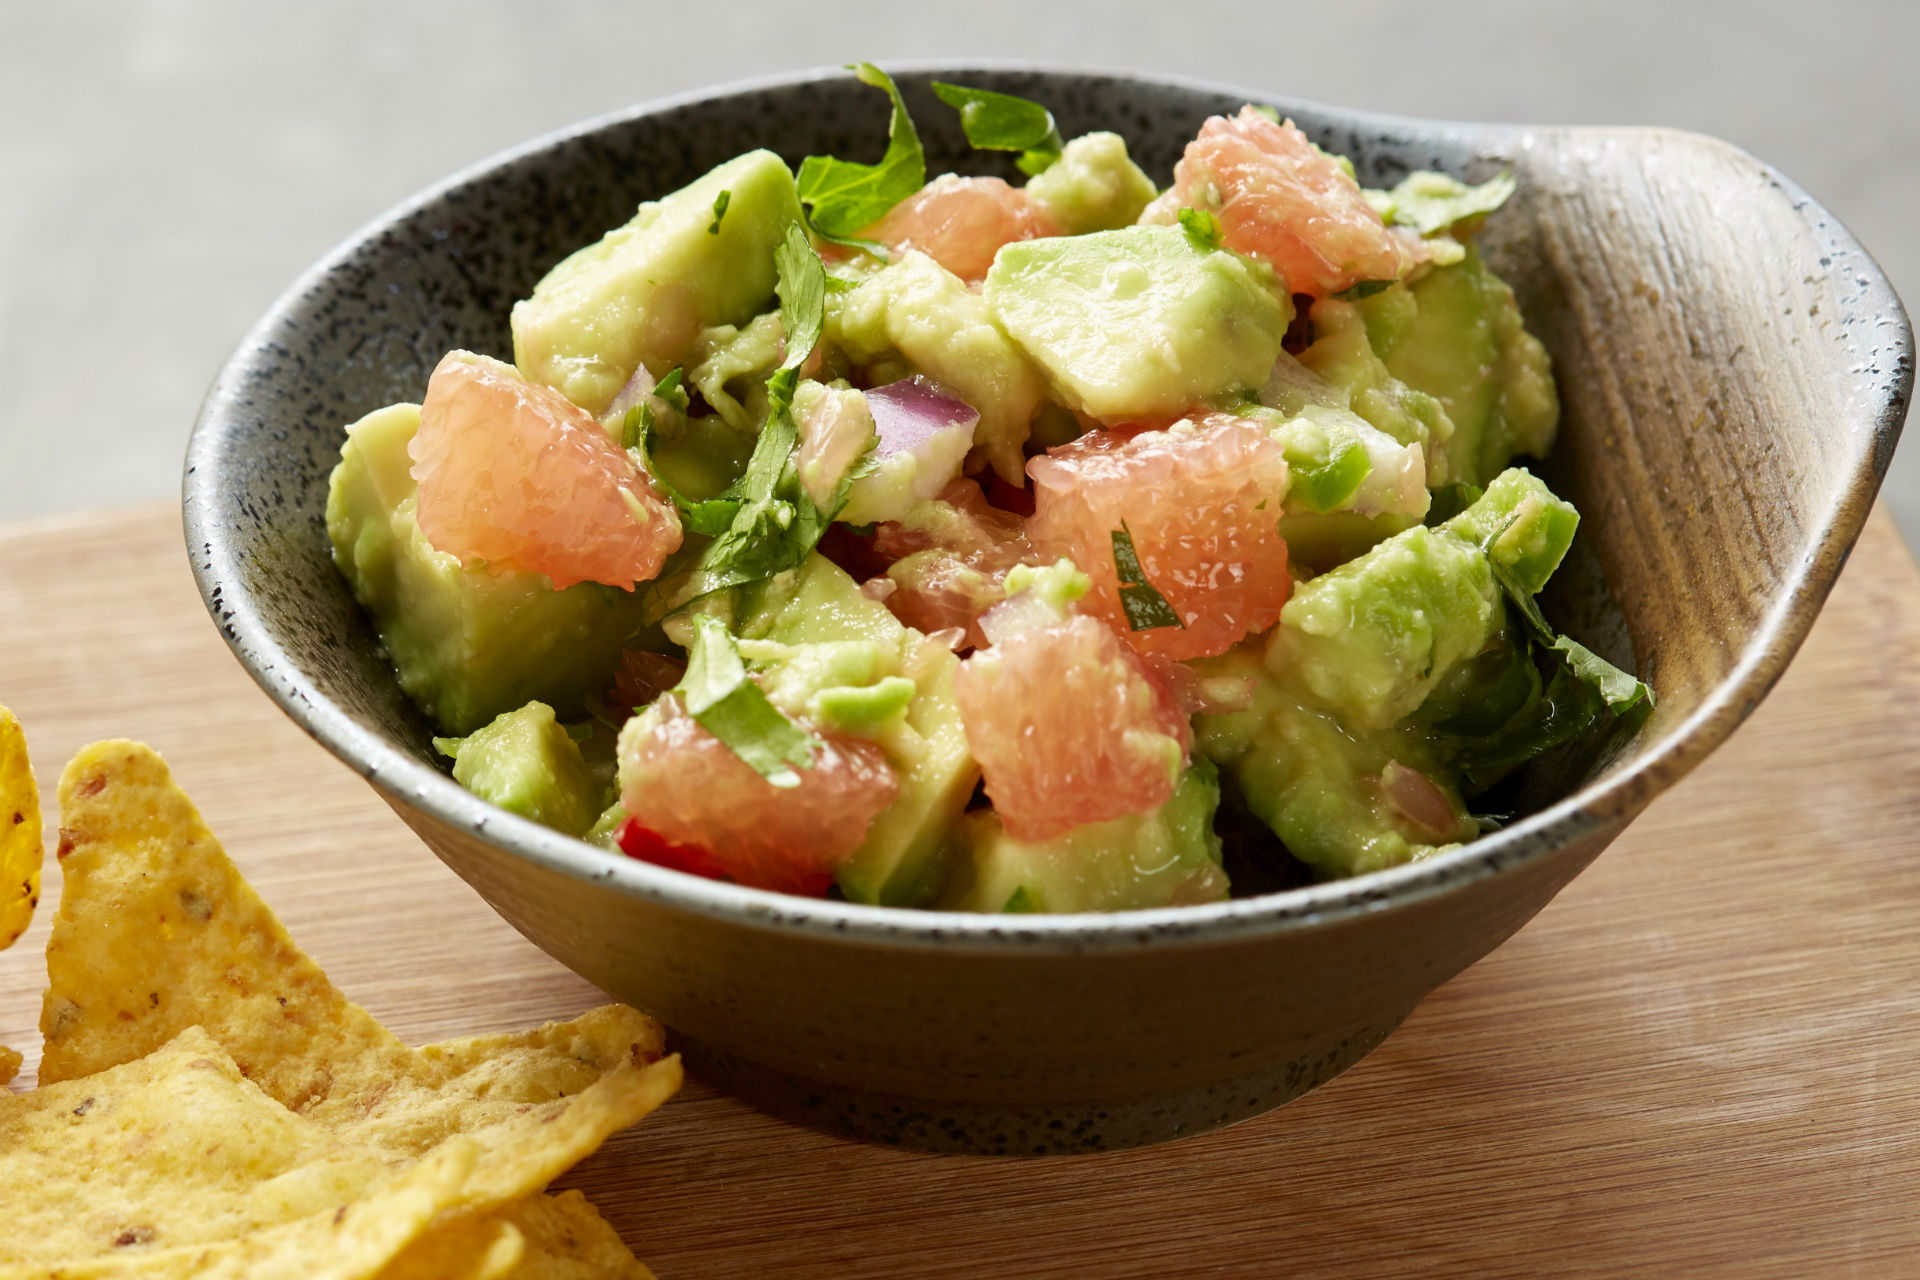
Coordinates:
1702	1059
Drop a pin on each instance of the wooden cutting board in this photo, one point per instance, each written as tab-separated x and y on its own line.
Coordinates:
1702	1059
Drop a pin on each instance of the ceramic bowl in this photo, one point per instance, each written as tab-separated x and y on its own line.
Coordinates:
1734	371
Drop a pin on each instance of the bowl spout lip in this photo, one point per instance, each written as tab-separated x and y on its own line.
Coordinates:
1879	342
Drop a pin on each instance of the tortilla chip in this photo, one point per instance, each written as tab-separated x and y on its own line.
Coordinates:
157	931
10	1061
352	1242
20	843
567	1239
479	1247
176	1165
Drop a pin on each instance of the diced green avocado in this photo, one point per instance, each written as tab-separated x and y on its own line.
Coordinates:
1316	781
1342	356
1370	638
1169	857
1093	186
903	861
644	291
917	310
1139	322
526	763
730	364
1523	526
1455	332
468	643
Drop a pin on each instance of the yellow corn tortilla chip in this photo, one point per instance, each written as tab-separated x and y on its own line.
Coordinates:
567	1239
10	1061
543	1237
157	931
20	842
480	1247
354	1241
174	1164
174	1148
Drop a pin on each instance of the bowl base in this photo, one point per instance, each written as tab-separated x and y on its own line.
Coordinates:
1033	1129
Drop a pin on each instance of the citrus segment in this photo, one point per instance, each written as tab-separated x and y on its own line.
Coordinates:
1283	200
961	223
519	476
1201	503
1069	726
686	788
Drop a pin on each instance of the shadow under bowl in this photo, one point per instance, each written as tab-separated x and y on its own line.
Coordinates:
1734	372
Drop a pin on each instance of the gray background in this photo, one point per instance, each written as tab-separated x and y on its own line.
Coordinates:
166	169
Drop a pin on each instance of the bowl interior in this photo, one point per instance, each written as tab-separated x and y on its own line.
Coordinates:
1732	367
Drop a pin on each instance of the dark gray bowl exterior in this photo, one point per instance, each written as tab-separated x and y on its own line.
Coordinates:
1031	1034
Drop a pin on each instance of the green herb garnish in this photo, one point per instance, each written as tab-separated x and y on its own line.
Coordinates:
1145	607
843	197
1202	227
1002	122
1365	289
1431	203
734	709
720	203
673	389
764	522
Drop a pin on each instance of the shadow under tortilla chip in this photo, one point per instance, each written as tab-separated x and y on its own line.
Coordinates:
157	932
174	1164
20	849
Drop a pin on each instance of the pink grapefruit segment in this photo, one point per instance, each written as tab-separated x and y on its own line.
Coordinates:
1069	726
1201	502
1282	200
950	560
685	787
515	474
961	223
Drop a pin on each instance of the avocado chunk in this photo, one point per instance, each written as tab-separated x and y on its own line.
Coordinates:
1168	857
915	310
1344	359
1093	186
1371	639
1455	333
526	763
903	861
644	291
1140	322
1318	782
468	644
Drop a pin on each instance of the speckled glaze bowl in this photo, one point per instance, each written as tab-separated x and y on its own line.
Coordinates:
1734	369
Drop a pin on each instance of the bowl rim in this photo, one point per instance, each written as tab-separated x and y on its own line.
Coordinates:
1607	802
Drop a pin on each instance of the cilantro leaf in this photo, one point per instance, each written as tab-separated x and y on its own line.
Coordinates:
1202	227
843	197
673	389
764	522
802	286
1146	608
735	710
720	203
1001	122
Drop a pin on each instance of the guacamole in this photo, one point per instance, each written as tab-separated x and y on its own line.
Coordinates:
946	542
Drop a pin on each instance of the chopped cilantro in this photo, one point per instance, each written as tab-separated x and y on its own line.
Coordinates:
1146	608
843	197
1202	227
1365	289
720	203
1021	901
764	522
735	710
1271	113
672	389
1002	122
